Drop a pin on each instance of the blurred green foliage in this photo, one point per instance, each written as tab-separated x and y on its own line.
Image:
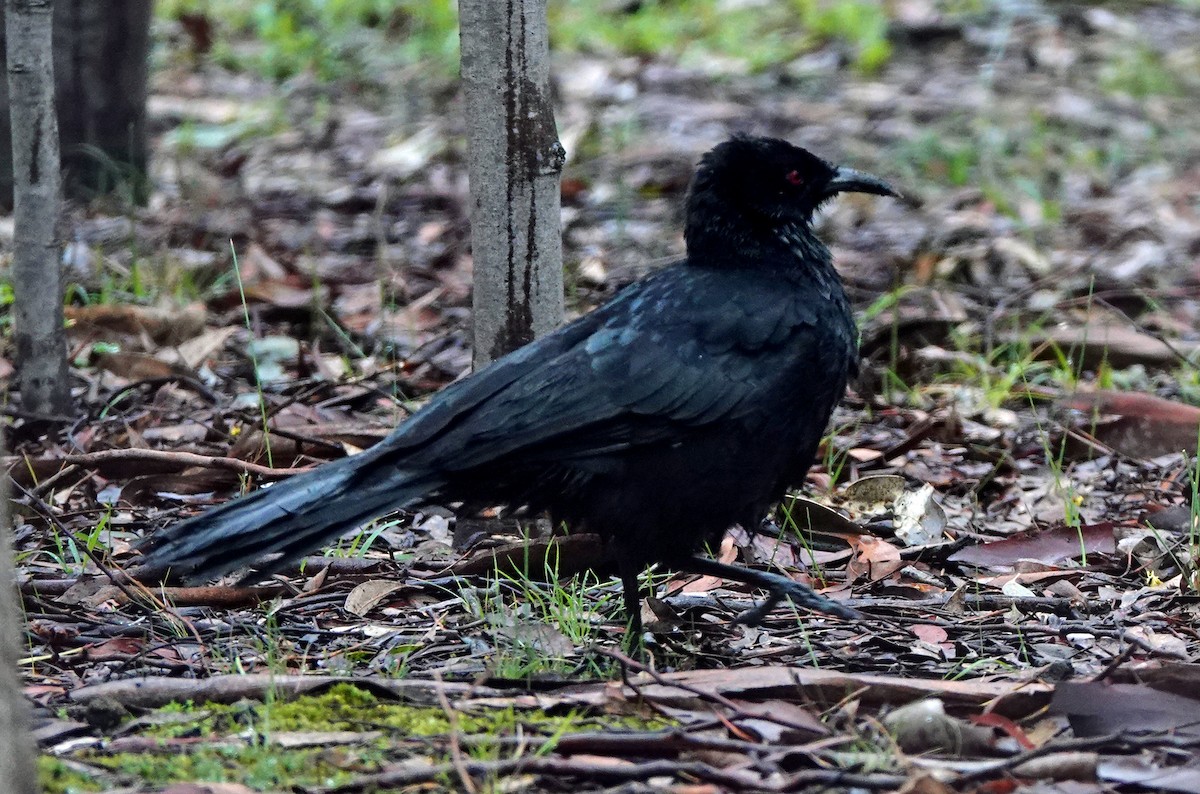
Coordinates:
863	26
759	34
355	39
6	302
330	39
1140	73
1017	161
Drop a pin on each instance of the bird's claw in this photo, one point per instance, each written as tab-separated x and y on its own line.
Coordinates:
801	596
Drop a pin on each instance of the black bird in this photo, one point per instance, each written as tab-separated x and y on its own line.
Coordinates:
686	404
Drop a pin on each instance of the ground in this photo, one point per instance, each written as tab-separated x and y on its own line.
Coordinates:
1006	493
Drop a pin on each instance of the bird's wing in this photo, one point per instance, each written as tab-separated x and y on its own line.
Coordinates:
670	353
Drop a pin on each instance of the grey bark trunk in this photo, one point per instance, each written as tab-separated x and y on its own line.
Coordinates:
37	275
17	760
515	163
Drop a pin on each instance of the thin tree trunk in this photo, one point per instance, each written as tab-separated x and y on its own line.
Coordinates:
104	46
515	163
17	760
101	69
37	276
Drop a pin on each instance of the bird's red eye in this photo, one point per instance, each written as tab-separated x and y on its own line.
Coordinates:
794	178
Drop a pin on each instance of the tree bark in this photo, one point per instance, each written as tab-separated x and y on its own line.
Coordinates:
515	165
101	68
38	335
17	760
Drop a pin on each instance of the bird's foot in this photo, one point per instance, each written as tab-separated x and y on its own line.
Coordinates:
778	588
755	615
800	595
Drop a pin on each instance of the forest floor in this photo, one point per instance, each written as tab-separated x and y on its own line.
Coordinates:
1006	493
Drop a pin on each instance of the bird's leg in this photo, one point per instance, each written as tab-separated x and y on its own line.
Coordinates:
629	570
777	587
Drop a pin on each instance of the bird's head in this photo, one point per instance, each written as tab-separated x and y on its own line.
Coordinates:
760	185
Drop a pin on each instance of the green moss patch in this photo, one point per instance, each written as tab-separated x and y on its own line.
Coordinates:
321	740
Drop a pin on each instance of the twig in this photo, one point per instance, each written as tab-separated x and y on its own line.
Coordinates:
628	662
558	767
456	754
33	416
1148	331
191	381
123	581
46	485
182	460
1116	662
47	511
1151	741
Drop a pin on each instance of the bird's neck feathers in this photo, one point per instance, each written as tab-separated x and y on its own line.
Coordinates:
804	244
722	239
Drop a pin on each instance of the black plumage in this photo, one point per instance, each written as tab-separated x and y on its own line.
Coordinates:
686	404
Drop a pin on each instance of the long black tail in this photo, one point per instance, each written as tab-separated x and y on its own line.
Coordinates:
290	518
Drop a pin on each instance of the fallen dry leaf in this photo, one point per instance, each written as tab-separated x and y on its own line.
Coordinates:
164	326
1096	708
1047	546
369	594
1137	425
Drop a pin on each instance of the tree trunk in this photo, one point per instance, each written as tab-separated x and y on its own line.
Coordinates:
101	68
37	275
515	163
17	759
